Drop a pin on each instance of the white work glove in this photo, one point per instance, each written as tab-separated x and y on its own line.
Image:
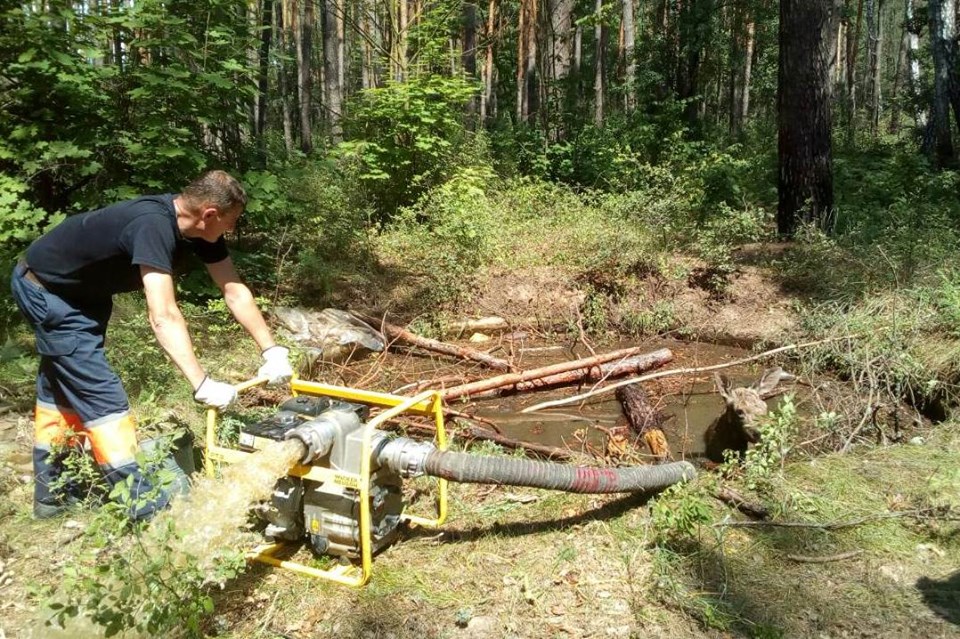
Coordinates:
215	394
276	368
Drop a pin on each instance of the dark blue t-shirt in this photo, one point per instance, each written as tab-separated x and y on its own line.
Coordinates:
99	253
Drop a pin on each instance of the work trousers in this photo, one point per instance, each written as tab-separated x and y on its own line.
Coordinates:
78	395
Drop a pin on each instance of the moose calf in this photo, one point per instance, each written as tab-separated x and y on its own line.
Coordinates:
737	428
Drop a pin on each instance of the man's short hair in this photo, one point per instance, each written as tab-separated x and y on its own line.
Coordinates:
216	188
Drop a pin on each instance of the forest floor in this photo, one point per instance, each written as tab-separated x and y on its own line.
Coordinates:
872	549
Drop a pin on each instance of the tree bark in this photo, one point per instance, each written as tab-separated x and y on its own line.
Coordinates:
644	418
853	47
263	78
657	358
629	55
874	35
304	77
914	27
807	29
942	34
283	28
333	87
598	66
898	79
486	97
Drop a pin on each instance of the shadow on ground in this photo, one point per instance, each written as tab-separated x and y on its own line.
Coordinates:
942	596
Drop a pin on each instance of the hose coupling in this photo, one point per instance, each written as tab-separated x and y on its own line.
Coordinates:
405	456
319	433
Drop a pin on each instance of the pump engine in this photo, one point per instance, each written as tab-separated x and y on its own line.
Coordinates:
328	513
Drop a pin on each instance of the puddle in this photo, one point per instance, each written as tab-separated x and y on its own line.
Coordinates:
690	402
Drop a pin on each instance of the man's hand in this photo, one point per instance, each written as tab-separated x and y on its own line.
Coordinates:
215	394
276	368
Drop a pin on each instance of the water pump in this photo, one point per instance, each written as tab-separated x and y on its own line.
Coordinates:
346	495
328	513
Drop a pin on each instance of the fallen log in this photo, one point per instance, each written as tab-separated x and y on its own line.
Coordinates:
644	418
395	333
471	326
628	366
735	499
654	359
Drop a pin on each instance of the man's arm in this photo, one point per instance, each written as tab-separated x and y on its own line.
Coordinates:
241	303
168	324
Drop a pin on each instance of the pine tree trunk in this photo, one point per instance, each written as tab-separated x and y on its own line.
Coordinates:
853	46
807	29
942	14
629	54
598	66
283	28
913	26
304	78
899	73
747	82
489	68
263	77
333	20
874	32
368	72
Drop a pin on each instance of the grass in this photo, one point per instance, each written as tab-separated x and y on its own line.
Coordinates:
571	565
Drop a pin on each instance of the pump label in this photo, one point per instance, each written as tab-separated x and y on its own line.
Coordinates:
347	481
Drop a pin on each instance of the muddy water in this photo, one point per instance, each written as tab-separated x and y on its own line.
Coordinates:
690	402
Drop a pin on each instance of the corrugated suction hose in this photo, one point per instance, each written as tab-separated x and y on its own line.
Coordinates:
475	469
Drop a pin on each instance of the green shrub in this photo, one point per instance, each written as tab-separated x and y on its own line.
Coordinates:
403	136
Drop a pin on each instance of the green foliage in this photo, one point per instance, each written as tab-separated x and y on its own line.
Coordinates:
716	240
21	221
448	235
678	513
143	583
86	129
764	460
403	134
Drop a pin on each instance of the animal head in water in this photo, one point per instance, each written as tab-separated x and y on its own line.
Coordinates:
745	405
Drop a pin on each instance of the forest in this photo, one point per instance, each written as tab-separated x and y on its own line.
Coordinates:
767	190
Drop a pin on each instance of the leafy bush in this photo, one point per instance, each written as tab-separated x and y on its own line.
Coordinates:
448	235
403	134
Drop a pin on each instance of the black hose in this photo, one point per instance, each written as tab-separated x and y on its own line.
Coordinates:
474	469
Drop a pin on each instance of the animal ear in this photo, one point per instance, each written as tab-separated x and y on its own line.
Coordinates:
769	380
723	385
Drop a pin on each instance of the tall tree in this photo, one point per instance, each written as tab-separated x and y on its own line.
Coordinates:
913	28
263	77
807	29
874	49
629	54
943	16
853	47
598	64
333	21
304	34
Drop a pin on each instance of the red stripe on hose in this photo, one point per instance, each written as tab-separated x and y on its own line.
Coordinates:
591	480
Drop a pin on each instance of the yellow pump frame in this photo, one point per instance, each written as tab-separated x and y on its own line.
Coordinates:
426	403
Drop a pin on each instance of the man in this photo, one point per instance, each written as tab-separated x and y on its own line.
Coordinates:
64	288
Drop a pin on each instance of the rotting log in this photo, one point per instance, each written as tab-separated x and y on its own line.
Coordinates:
610	370
398	334
644	418
654	360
